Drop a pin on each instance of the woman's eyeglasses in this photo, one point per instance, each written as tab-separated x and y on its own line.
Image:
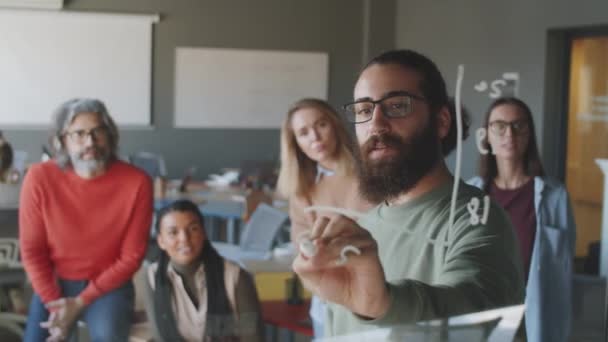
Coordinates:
499	127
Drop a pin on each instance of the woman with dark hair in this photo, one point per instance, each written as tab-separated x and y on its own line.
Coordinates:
9	178
196	294
512	174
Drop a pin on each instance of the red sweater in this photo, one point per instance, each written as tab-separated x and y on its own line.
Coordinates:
83	229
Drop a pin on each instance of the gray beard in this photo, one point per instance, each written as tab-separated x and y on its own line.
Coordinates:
88	166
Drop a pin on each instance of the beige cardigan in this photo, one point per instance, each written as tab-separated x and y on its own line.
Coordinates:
191	320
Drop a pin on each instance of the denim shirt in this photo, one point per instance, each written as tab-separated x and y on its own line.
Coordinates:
549	288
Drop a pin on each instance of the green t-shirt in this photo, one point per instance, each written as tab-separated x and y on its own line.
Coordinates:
433	270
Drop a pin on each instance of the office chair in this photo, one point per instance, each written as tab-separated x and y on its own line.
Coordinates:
257	237
9	222
153	164
12	326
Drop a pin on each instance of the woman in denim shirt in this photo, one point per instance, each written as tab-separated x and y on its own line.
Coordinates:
512	174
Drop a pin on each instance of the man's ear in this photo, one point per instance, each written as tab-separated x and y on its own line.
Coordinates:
57	143
444	122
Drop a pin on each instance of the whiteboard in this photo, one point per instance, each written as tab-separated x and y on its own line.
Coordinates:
49	57
235	88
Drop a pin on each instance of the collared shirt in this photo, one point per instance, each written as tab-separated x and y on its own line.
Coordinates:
190	319
321	172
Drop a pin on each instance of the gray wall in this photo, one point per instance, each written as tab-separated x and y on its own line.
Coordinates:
489	38
332	26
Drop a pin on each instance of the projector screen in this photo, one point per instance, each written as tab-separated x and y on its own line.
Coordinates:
239	88
48	57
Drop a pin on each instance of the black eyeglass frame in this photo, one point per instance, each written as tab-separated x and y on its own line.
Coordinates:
81	135
348	111
515	130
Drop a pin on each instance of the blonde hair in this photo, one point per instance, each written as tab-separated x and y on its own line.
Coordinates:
298	171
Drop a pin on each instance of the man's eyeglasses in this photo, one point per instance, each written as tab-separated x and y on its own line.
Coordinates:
80	136
395	105
499	127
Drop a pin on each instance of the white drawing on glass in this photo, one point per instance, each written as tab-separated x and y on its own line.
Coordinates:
473	208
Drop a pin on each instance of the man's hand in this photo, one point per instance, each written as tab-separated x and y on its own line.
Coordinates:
55	332
64	312
359	284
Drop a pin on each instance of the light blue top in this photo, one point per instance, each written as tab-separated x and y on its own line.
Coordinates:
549	289
317	306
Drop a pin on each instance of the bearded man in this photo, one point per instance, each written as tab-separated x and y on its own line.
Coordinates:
414	264
84	220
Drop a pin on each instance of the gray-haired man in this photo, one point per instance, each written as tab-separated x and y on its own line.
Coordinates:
84	222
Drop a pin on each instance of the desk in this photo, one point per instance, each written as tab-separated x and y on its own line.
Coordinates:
294	318
272	277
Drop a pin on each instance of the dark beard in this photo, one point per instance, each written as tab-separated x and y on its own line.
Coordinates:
386	179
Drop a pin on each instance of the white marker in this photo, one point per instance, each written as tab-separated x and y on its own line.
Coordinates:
346	249
308	248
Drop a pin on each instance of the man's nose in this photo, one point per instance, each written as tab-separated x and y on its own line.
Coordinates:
379	123
89	140
182	236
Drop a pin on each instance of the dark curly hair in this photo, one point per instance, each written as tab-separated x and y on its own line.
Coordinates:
432	86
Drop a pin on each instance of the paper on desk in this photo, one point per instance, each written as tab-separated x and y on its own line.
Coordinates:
225	179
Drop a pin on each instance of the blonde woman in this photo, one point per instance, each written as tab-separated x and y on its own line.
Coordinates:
317	168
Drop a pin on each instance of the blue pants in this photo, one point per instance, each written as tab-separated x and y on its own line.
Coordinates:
108	318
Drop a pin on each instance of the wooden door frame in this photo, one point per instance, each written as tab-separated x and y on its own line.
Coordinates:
556	99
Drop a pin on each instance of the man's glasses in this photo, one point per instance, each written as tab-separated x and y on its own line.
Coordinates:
499	127
80	136
393	106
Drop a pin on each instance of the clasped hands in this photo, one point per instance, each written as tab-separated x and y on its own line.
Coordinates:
63	315
359	283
